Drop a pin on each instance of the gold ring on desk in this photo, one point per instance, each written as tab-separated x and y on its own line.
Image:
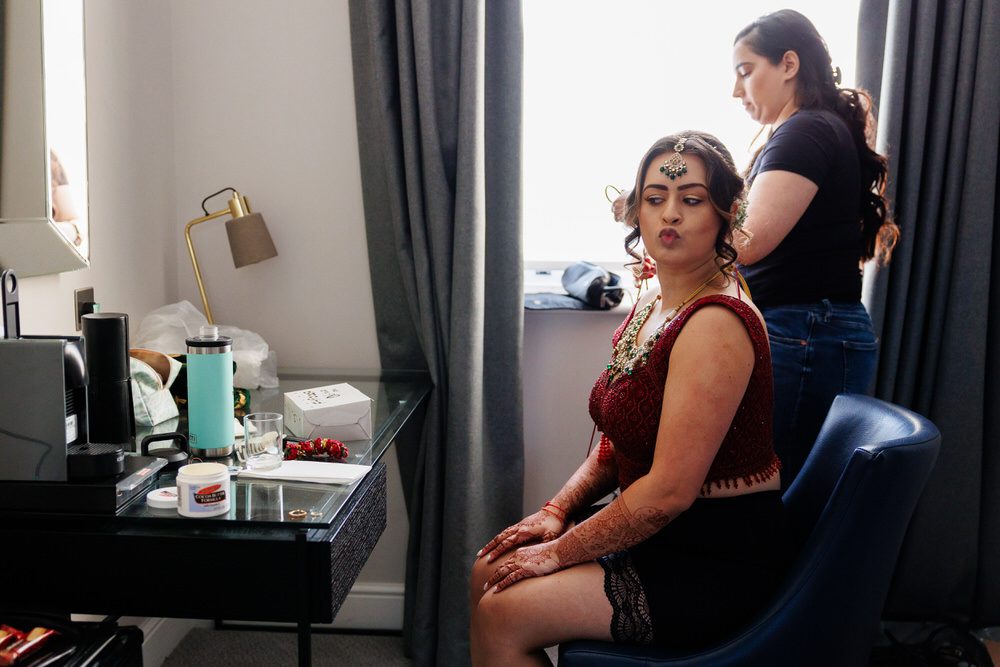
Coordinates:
297	514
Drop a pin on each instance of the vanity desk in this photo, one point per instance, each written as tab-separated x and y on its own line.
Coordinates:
255	563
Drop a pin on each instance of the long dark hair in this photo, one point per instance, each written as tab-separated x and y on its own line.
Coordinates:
725	185
773	35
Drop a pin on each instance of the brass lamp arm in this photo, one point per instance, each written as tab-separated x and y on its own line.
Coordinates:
194	259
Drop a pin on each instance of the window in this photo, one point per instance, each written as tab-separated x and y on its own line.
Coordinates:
602	81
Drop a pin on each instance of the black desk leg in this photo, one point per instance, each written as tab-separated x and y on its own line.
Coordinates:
305	626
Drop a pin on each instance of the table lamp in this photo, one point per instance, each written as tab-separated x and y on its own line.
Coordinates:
249	240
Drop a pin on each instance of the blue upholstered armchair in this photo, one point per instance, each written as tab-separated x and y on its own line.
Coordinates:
851	503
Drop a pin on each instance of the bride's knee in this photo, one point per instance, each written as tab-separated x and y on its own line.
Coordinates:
495	611
481	571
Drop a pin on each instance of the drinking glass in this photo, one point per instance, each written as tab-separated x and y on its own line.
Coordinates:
263	442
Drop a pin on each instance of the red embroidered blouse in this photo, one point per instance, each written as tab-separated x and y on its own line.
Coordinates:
628	409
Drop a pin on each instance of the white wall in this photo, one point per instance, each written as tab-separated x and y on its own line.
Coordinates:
131	165
187	97
564	352
263	101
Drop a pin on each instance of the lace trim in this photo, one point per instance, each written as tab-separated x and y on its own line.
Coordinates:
749	480
630	619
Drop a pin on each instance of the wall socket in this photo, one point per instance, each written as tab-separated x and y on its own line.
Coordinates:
83	303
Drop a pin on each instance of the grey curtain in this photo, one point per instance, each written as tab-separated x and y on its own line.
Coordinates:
933	66
438	94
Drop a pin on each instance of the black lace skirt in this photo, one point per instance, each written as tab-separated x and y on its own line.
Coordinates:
704	576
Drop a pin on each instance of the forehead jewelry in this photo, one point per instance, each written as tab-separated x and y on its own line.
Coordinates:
675	165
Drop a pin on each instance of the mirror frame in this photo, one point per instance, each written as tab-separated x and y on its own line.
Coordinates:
30	241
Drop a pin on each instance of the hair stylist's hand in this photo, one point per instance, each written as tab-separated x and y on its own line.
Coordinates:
540	526
536	560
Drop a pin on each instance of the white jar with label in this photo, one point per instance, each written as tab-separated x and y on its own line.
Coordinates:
203	490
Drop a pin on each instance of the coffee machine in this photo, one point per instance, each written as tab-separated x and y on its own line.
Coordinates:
47	460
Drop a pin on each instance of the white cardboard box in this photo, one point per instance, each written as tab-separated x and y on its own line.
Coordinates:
337	411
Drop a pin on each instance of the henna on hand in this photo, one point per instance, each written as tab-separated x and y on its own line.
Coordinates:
593	480
612	529
536	560
540	526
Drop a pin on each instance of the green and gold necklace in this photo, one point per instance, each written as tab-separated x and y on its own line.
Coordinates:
627	356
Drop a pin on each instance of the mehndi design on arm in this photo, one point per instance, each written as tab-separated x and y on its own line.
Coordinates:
593	481
612	529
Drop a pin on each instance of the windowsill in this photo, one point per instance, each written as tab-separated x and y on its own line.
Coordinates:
549	281
619	311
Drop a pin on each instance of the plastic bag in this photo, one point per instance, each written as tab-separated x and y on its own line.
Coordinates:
166	328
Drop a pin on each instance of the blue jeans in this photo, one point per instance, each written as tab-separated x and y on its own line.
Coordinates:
818	350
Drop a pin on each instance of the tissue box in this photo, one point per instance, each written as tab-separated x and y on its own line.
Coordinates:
337	411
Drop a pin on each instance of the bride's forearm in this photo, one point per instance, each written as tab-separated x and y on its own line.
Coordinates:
592	481
616	527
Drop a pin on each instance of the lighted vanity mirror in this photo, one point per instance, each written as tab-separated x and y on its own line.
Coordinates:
44	225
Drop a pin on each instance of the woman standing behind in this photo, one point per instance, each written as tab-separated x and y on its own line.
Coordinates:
816	211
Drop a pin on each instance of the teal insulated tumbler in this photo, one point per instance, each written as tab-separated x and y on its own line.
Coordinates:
210	393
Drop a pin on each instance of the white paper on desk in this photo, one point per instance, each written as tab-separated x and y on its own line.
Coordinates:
318	472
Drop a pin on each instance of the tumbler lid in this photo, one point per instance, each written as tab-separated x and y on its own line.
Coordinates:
208	336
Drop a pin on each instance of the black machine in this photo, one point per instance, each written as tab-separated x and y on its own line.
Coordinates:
109	387
48	460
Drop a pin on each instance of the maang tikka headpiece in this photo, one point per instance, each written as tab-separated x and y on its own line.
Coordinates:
675	165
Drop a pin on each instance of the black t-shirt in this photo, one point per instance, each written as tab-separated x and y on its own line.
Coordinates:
819	259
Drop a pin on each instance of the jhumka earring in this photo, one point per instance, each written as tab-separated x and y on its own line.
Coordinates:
675	165
643	272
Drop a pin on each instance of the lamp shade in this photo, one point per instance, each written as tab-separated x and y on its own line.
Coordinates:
249	240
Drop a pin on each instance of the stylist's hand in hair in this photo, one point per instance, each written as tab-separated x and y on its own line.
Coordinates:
541	526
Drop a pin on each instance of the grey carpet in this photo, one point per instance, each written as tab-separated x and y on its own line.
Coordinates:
244	648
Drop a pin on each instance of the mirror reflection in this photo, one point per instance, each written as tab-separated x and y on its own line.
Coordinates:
66	119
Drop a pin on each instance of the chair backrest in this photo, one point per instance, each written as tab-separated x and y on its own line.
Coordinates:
857	426
851	503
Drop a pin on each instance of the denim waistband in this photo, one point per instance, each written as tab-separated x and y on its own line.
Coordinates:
825	309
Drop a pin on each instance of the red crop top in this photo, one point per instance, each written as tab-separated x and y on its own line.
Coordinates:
628	409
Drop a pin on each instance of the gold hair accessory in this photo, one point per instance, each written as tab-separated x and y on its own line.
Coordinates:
838	76
618	193
675	165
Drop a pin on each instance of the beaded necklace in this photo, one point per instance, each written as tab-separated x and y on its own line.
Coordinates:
627	356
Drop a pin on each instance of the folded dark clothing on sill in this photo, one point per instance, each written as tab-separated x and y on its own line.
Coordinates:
551	301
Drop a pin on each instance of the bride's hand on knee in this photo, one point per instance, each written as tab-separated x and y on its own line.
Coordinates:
541	526
536	560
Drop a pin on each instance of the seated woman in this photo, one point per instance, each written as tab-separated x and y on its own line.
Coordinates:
697	540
